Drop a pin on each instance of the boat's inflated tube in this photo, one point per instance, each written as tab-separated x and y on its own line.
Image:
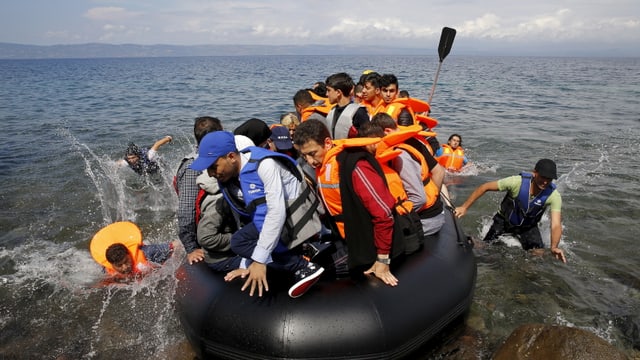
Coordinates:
336	319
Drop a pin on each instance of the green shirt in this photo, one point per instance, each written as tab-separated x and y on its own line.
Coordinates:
512	185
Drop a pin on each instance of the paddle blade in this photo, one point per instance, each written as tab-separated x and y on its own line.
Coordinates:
446	42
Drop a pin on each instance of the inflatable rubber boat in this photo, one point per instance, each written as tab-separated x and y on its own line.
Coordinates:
335	319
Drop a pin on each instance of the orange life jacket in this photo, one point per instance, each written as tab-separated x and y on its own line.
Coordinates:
398	140
328	176
317	97
414	106
403	205
310	110
320	105
394	109
429	122
372	110
126	233
451	159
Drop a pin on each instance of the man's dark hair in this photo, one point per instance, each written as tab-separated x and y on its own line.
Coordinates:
342	82
204	125
370	129
373	78
384	120
302	97
320	89
116	253
388	79
311	129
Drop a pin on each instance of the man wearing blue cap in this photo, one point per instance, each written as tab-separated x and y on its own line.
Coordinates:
528	196
263	186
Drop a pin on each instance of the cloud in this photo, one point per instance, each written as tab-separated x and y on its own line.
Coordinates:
111	27
415	24
111	13
278	32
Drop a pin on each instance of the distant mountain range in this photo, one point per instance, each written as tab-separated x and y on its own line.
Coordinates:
461	47
95	50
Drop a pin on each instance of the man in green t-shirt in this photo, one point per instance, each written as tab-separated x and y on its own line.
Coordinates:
528	196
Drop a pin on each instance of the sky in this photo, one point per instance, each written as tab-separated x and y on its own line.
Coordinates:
546	27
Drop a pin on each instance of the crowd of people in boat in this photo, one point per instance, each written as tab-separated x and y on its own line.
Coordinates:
347	185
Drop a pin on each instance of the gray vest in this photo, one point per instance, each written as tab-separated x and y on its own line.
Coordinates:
339	127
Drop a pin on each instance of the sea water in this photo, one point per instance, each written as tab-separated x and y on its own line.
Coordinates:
65	122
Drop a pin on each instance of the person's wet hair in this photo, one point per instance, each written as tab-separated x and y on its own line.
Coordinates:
116	253
132	149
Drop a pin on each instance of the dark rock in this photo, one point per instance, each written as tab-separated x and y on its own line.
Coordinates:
551	342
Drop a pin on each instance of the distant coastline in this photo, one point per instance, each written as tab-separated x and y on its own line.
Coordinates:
100	50
97	50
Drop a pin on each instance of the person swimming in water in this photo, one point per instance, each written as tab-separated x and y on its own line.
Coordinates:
143	160
119	248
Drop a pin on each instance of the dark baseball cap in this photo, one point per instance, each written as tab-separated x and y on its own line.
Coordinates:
281	138
546	168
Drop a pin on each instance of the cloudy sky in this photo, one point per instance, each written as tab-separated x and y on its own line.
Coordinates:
501	26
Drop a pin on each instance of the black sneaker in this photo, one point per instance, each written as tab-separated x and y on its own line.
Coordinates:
305	277
311	249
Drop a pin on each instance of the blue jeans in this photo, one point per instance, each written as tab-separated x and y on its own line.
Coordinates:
156	253
244	241
226	265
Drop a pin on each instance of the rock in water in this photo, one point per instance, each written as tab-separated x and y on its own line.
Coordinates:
550	342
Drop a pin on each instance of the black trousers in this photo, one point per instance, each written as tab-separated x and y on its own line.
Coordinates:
529	236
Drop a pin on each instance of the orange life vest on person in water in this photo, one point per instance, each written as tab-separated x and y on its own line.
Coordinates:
451	159
126	233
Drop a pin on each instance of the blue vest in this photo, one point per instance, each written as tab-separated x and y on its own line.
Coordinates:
255	204
303	217
524	212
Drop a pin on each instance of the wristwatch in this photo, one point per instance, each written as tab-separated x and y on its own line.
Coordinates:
384	259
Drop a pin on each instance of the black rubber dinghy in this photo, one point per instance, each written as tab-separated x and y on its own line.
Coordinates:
335	319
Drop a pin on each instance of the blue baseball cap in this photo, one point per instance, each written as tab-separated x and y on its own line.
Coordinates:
281	138
212	147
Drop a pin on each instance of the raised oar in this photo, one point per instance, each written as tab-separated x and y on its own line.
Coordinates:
446	41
